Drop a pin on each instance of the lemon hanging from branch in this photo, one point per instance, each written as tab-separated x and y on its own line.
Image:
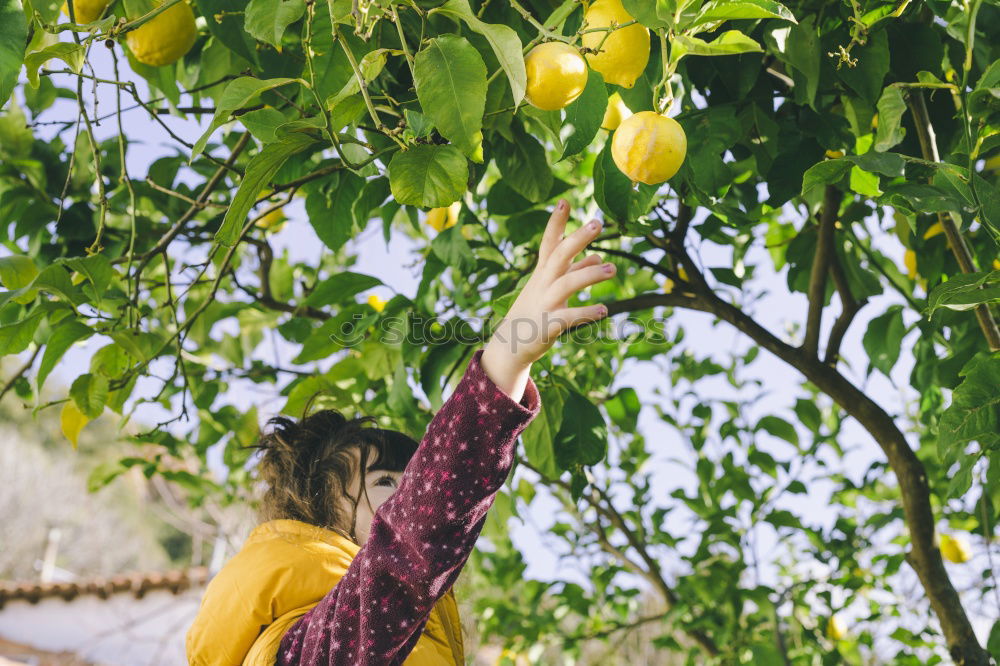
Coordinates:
557	75
623	52
445	217
164	39
87	11
648	147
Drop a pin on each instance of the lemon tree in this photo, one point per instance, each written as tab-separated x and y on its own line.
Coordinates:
802	202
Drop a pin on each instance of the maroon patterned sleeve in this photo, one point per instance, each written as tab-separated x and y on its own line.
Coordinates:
421	536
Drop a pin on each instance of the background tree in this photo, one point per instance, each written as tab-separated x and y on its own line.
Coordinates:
822	133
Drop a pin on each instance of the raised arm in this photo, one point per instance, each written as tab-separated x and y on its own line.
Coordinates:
421	537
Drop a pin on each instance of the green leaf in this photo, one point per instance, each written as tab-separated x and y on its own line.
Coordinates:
61	339
965	291
450	78
891	106
780	428
803	54
585	114
267	20
583	436
330	207
623	408
524	166
17	271
730	42
452	248
873	64
974	412
883	339
97	269
655	14
824	173
540	435
90	393
726	10
340	288
428	176
13	37
993	643
239	93
371	65
612	188
225	19
69	52
258	174
503	40
14	338
989	200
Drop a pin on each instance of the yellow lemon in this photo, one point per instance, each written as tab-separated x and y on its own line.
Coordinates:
910	261
87	11
668	284
557	74
166	38
875	121
625	52
955	549
836	630
834	154
443	218
273	221
935	229
996	264
377	303
616	112
649	148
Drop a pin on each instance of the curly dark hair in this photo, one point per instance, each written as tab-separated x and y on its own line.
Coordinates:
307	465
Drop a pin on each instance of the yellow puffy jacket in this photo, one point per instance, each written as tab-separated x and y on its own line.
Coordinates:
284	569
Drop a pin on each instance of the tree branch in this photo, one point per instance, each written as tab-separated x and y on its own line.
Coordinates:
850	307
820	268
651	572
928	146
9	384
924	556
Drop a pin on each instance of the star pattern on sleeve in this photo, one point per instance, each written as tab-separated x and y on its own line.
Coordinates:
422	536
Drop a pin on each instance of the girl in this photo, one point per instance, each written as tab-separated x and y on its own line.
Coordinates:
368	530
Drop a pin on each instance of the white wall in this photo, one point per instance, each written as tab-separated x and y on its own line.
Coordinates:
118	631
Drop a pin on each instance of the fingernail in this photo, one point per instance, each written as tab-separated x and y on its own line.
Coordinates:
609	268
594	225
603	311
563	205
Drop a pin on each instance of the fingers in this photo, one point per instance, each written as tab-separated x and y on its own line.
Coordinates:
553	230
567	318
561	256
589	260
574	281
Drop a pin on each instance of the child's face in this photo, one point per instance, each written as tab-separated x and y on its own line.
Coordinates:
380	485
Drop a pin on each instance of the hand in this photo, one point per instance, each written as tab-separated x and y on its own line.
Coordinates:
540	314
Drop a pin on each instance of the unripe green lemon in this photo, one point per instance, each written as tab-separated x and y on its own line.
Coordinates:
649	148
557	74
625	52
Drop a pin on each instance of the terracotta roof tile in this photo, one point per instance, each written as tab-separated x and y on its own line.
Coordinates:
137	583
